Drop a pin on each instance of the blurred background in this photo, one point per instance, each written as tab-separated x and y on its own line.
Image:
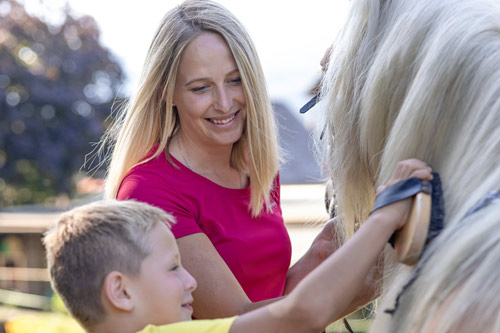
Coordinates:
63	63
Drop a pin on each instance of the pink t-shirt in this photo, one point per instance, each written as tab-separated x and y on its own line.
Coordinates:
257	250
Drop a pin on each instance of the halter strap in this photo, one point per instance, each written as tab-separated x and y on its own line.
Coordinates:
484	202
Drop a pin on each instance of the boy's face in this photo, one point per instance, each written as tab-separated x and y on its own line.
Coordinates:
163	288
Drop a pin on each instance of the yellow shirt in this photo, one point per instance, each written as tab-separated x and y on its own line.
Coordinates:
194	326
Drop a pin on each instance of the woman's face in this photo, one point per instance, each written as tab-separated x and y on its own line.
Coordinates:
209	93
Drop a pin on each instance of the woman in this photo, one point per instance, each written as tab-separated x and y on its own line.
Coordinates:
422	79
198	139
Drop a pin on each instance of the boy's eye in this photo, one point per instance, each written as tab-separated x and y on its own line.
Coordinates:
174	268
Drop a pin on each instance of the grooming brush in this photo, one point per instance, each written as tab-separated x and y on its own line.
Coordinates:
425	219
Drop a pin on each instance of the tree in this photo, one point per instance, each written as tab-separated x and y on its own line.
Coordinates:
57	84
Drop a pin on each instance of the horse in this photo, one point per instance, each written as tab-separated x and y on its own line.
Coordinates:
421	79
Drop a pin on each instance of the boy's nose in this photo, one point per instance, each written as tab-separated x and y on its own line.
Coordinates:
189	281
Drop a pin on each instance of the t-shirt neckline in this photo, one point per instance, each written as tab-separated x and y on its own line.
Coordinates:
205	180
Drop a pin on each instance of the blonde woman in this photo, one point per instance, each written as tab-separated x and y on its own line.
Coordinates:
198	139
422	79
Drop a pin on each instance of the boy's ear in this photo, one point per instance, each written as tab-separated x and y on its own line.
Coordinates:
115	290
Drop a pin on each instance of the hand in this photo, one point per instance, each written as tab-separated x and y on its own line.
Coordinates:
396	213
326	58
326	242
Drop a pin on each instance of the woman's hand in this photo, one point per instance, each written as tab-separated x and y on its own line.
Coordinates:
325	243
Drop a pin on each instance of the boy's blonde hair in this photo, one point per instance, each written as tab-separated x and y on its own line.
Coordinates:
149	117
89	242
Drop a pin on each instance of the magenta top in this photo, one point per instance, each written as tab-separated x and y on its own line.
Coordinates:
257	250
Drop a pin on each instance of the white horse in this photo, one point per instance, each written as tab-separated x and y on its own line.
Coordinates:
421	79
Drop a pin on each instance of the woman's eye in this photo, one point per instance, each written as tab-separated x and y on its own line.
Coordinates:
235	80
174	268
199	88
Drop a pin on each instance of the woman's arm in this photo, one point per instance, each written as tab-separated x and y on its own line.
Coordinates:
324	294
321	248
218	294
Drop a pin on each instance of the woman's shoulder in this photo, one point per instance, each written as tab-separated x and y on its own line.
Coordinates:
155	169
156	174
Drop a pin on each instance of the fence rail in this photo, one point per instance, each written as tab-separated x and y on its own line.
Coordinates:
24	274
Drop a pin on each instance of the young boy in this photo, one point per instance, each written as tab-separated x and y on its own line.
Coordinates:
117	268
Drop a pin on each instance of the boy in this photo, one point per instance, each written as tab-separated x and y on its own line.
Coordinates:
117	268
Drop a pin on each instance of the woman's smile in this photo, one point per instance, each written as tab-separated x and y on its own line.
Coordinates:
223	120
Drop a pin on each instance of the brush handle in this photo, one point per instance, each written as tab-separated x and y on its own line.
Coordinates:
409	241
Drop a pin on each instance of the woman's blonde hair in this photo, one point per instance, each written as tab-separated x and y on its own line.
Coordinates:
149	118
421	79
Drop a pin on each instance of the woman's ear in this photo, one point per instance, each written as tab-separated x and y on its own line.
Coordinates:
115	291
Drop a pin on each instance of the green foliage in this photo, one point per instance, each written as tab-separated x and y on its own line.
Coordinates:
57	84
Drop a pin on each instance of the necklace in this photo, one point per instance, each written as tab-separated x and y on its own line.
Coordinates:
184	159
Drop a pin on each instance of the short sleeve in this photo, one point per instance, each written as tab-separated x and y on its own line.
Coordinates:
157	191
195	326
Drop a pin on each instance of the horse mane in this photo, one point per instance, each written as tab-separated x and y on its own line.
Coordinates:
421	79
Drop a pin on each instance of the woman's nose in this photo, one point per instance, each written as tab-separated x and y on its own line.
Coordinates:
223	100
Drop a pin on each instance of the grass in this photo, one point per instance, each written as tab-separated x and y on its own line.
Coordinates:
22	321
357	325
54	322
58	321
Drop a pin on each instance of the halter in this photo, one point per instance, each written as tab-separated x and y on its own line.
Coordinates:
489	198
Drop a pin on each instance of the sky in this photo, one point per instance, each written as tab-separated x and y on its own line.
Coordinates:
290	36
